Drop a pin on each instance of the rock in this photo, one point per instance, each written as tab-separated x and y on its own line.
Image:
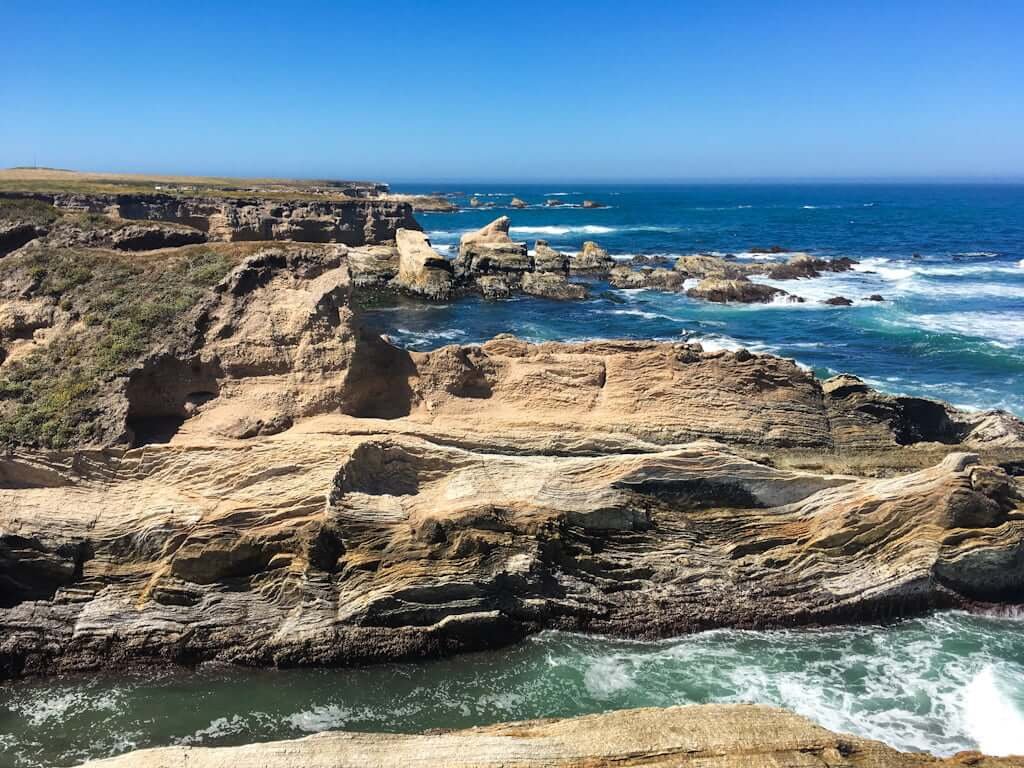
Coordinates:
517	203
803	265
838	301
153	235
553	203
700	736
498	286
547	259
874	297
373	266
660	279
552	285
709	267
422	270
593	204
490	250
435	203
738	289
769	249
592	259
474	202
641	260
428	503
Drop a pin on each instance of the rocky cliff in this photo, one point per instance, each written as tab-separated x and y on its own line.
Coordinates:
709	736
268	484
359	220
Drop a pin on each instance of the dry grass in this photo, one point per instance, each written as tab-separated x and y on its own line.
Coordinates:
53	180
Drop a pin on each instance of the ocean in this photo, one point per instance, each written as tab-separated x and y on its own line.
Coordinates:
941	683
947	258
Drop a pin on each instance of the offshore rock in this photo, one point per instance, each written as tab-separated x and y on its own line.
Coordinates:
592	259
659	278
704	736
710	267
517	203
490	250
547	259
736	289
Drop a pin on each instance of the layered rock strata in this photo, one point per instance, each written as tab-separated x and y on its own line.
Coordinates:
326	498
356	221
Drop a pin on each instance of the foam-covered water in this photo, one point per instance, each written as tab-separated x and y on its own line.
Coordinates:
942	683
947	259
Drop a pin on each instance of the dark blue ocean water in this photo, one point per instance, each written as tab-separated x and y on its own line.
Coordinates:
952	325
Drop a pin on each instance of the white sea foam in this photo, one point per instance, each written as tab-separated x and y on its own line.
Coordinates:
1004	327
588	229
993	721
320	718
608	676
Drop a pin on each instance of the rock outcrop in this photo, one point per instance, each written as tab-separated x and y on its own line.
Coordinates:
547	259
552	285
803	265
591	259
710	267
659	278
356	221
490	250
422	270
326	498
738	289
517	203
708	736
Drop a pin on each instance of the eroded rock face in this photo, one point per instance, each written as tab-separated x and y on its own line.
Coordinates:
707	736
359	221
710	267
490	250
331	499
421	269
659	278
552	285
591	259
547	259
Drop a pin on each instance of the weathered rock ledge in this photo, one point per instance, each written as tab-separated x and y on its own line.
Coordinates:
708	736
355	221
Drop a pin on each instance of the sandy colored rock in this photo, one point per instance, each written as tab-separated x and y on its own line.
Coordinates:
708	736
547	259
703	267
421	269
491	250
660	279
322	497
591	259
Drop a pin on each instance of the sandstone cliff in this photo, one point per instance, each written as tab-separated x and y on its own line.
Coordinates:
355	221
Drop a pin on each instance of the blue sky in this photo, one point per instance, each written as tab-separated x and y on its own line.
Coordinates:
553	90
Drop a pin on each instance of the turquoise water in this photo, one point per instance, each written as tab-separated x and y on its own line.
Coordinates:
952	325
942	683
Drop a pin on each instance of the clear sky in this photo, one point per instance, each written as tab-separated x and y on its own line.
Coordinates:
560	89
